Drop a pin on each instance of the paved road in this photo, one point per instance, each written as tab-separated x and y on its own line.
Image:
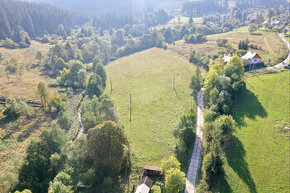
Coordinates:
192	172
282	64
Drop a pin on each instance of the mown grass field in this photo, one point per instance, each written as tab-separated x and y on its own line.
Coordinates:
23	86
271	45
156	107
257	160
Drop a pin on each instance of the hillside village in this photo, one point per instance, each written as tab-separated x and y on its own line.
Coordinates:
155	96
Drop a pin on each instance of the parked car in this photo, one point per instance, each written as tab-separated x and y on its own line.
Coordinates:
287	67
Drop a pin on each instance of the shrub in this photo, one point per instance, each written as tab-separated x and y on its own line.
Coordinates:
9	44
174	181
222	43
63	120
168	163
15	108
55	104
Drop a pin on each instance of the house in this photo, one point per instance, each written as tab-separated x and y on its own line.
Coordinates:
226	59
276	23
152	171
251	58
145	185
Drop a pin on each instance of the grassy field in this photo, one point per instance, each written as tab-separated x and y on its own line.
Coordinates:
185	20
23	86
257	160
156	106
271	45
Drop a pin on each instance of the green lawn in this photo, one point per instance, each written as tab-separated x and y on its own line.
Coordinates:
257	160
156	106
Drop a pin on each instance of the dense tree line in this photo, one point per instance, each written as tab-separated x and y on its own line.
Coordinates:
200	8
222	84
35	19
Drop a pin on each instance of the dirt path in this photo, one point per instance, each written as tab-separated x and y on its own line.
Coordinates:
195	159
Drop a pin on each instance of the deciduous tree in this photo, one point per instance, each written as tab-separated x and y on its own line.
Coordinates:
106	146
42	92
174	181
168	163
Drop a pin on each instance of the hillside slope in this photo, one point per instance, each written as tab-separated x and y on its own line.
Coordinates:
257	160
156	106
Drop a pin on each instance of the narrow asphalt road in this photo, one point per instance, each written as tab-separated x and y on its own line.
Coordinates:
195	160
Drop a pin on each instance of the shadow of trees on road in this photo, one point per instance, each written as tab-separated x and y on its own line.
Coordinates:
247	105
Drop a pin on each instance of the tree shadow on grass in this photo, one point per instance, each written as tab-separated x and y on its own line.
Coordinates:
247	105
223	185
235	154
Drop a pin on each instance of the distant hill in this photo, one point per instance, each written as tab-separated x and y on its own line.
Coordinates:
36	19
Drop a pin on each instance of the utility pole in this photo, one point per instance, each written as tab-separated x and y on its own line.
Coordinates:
111	85
173	80
130	108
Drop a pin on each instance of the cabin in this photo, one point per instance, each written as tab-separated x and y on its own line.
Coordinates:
145	185
152	171
251	58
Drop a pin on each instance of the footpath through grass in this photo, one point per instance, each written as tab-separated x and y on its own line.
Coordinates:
156	107
257	160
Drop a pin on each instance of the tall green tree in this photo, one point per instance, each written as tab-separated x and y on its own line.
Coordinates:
196	82
35	173
106	146
42	92
95	86
190	20
39	57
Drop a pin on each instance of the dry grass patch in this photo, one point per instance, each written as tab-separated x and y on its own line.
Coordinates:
271	45
23	86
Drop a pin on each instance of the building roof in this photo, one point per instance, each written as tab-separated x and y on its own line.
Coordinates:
145	185
147	181
226	59
142	189
152	168
250	56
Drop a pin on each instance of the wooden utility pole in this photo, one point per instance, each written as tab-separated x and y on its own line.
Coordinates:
111	85
130	108
173	80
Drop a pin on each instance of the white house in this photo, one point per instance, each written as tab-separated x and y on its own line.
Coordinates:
145	185
251	58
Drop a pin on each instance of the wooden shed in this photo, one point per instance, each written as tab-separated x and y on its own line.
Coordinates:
152	171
